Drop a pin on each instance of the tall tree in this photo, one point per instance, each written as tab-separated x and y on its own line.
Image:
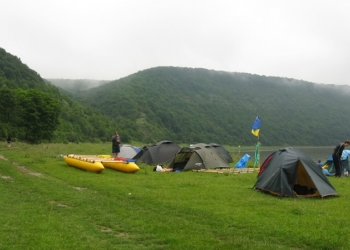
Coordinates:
40	115
7	104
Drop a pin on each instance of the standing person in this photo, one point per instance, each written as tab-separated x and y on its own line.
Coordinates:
9	141
115	145
338	150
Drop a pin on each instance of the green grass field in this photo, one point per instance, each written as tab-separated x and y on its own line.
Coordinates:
46	204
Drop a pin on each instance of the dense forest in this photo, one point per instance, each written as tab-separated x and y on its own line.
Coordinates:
184	105
198	105
73	86
35	111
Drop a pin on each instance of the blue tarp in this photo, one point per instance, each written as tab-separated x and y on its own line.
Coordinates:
242	163
344	155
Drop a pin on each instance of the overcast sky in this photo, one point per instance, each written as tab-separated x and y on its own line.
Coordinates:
110	39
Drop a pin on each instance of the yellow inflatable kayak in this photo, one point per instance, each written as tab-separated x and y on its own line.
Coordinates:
123	166
87	165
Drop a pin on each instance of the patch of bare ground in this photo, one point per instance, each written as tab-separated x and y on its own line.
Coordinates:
125	235
3	158
24	170
21	168
106	229
6	178
228	171
58	204
110	230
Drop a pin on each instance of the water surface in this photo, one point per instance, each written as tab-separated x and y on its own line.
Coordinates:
315	153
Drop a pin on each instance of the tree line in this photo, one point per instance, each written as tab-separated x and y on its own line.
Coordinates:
184	105
198	105
35	111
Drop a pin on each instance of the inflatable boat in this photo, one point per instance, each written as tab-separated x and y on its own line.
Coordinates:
121	164
84	164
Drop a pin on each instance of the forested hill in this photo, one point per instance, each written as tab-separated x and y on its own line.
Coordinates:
188	105
35	111
183	105
76	85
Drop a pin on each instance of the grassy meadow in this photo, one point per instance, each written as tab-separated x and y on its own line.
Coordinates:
46	204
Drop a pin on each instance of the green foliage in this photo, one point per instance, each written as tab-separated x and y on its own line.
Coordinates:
46	204
35	111
39	115
75	86
183	105
197	105
7	105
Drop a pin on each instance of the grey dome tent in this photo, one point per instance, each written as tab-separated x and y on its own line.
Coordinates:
128	151
289	172
162	152
198	156
223	151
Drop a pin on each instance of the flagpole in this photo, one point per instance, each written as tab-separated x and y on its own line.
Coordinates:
256	132
259	150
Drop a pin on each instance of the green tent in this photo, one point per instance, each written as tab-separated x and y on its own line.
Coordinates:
158	154
291	173
198	156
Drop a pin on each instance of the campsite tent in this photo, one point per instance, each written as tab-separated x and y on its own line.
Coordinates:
291	173
344	163
223	151
160	153
128	151
198	156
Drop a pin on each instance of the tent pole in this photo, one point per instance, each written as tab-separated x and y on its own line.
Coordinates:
259	151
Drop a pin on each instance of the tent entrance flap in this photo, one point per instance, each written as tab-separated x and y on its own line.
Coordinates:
181	160
303	183
297	175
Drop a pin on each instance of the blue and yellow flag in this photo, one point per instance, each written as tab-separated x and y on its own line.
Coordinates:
256	126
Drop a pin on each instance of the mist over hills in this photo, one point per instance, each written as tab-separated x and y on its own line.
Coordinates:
184	105
76	85
35	111
189	105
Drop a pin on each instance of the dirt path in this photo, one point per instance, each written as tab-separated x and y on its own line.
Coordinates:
21	168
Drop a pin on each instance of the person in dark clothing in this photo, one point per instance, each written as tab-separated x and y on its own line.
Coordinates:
9	141
115	145
338	150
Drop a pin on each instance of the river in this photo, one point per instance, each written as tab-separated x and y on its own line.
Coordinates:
315	153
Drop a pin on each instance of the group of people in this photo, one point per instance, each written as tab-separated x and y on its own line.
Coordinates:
336	155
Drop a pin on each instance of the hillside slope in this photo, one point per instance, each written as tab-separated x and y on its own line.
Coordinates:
76	85
197	105
24	104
